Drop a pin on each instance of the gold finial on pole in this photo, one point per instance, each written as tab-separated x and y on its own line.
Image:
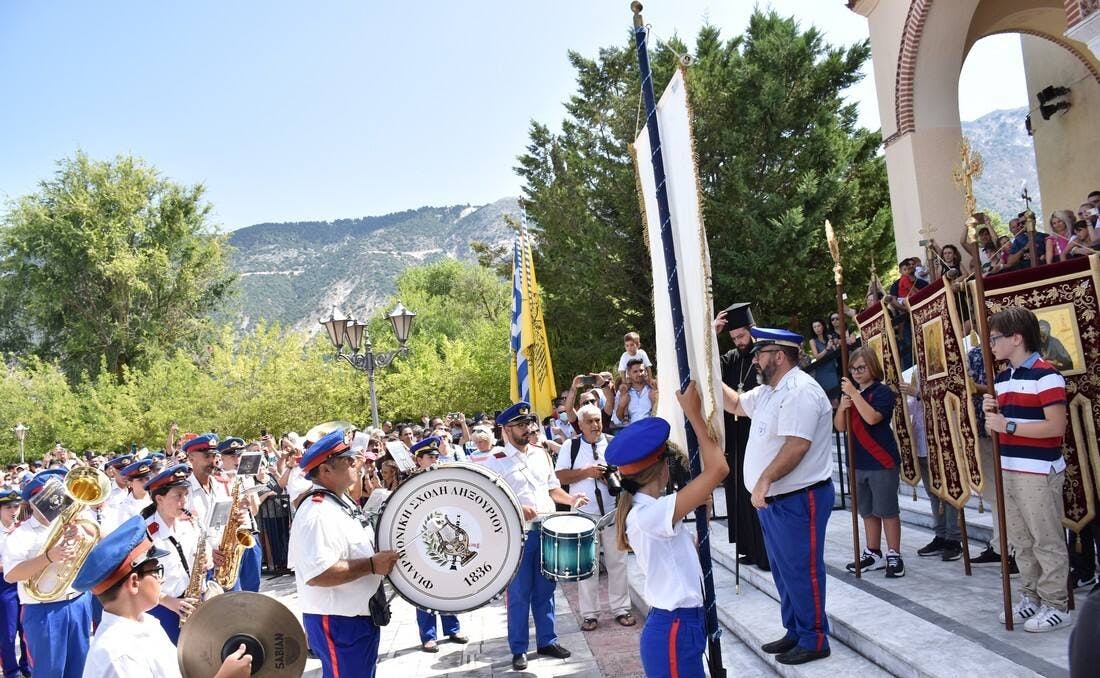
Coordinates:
970	168
834	250
636	7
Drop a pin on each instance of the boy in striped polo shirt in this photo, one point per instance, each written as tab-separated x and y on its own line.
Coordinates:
1028	417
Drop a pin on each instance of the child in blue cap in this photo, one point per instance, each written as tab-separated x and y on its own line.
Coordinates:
651	523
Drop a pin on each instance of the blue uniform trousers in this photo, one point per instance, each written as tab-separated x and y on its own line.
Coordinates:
58	635
9	626
427	621
532	592
794	532
169	621
250	566
346	646
673	642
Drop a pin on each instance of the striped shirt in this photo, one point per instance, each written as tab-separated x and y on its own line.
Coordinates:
1022	393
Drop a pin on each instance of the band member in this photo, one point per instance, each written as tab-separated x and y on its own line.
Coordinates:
124	572
738	372
530	473
174	531
788	469
56	632
427	454
336	569
252	560
582	466
674	637
206	490
136	474
10	502
119	486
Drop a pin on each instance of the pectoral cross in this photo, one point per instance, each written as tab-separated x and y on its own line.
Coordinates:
970	168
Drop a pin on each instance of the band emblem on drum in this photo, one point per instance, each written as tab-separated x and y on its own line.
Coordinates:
446	543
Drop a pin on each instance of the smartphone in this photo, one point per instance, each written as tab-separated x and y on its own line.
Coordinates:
588	381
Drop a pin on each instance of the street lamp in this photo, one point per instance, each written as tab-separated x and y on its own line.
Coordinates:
20	432
354	333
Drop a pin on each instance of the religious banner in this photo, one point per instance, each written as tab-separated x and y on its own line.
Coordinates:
939	353
1064	296
878	333
692	261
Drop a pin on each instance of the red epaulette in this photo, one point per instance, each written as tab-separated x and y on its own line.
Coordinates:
153	527
318	498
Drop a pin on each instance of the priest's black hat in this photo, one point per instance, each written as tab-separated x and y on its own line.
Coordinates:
739	315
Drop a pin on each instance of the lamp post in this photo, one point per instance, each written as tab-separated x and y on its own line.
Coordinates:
354	333
20	432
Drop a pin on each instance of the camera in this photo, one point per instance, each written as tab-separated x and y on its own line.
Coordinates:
454	416
613	479
588	381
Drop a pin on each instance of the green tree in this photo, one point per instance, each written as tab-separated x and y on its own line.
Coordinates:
778	151
108	261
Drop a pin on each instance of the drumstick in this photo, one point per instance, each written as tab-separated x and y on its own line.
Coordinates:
435	523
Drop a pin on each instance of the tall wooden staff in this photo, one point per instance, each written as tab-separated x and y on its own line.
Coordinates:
838	277
702	525
968	170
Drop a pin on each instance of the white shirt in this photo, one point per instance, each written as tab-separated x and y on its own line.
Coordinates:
637	408
133	506
24	543
666	553
296	484
200	502
588	486
798	407
186	534
322	534
529	474
124	648
626	357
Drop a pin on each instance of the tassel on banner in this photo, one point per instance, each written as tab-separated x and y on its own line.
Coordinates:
914	492
981	506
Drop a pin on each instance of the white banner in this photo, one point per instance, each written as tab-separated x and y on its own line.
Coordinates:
693	263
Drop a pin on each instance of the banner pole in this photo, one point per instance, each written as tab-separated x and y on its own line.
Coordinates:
702	526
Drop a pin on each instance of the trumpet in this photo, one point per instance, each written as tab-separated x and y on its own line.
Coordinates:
86	486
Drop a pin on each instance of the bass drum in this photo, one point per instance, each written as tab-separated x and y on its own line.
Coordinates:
459	529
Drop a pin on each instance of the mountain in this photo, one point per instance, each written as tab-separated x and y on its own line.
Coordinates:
1009	159
295	272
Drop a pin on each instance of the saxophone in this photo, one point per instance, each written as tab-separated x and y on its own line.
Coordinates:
235	541
198	588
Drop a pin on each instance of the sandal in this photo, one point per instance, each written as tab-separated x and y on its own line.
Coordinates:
589	624
626	619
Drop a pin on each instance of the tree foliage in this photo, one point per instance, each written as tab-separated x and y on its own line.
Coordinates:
274	378
778	150
108	261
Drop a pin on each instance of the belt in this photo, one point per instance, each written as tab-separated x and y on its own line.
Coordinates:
62	599
817	485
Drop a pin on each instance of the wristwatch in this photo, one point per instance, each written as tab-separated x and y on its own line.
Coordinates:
1010	428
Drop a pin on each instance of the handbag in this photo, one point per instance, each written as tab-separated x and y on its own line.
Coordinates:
379	606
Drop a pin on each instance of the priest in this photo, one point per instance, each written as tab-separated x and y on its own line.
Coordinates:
739	373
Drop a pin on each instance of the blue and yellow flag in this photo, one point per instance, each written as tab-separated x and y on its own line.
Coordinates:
532	374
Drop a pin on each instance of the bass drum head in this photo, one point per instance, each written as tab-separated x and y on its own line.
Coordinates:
460	531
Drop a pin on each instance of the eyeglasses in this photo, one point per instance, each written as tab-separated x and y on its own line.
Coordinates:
768	350
156	571
994	337
857	369
588	402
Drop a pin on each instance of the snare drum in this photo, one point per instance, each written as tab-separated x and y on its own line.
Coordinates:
568	547
459	528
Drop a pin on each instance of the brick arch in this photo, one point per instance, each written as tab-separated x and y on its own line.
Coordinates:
907	68
1061	42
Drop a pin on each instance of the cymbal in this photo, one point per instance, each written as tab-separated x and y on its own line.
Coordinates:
321	430
272	633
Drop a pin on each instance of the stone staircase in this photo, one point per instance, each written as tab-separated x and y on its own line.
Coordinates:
934	622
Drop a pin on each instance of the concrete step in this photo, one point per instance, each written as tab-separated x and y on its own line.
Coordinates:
753	618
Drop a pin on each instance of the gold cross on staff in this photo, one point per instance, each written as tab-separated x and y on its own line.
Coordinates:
969	169
928	232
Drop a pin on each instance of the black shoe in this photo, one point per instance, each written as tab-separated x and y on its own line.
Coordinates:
1013	571
989	555
555	650
784	644
895	566
868	560
932	548
519	662
764	567
952	550
458	638
745	560
800	655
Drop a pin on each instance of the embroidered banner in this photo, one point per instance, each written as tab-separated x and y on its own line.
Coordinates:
940	357
878	333
1064	296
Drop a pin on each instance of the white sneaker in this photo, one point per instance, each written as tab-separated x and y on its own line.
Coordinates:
1022	611
1047	619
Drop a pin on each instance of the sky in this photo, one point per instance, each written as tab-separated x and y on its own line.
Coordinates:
290	111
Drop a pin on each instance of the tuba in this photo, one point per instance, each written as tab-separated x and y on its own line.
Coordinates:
86	486
236	539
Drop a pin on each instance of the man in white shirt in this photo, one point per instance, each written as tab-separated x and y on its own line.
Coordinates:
788	469
336	569
252	559
206	489
582	467
531	477
123	571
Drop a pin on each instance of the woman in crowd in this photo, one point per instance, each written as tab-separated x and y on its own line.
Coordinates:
823	344
951	260
1058	240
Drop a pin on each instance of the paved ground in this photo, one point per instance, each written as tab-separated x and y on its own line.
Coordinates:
610	650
